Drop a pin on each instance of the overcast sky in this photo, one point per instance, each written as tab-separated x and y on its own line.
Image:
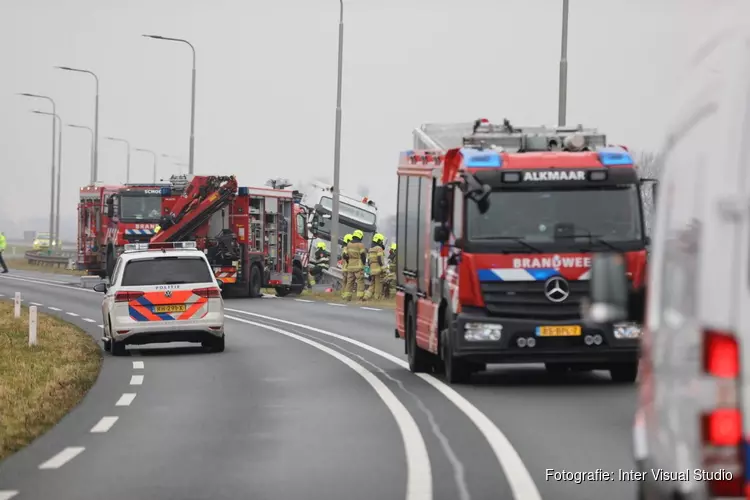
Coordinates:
266	85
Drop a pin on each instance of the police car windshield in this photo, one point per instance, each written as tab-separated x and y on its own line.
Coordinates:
140	208
166	271
611	214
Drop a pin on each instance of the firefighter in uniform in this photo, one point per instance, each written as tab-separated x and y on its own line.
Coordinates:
3	245
320	262
355	257
344	272
389	283
376	261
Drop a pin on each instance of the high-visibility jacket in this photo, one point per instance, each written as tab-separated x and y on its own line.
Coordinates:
392	260
375	257
321	258
343	258
355	256
3	243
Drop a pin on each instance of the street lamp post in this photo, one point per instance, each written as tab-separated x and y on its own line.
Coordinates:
55	239
127	145
153	154
337	141
91	159
52	169
95	161
192	97
563	103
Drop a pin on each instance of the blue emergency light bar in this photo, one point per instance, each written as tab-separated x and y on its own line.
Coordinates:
242	191
166	191
612	157
142	247
476	158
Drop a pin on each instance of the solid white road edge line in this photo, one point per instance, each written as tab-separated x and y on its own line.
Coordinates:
370	308
48	283
62	458
6	494
303	300
125	399
336	305
136	380
138	365
418	468
516	473
104	424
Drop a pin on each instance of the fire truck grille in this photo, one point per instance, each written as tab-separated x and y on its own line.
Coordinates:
526	300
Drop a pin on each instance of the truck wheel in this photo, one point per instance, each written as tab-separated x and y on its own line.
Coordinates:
419	359
624	373
282	291
298	281
457	370
255	282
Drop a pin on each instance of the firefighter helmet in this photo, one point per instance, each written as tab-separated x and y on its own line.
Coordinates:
347	238
321	245
378	238
393	246
358	234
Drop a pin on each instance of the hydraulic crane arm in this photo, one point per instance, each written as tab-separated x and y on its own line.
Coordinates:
205	196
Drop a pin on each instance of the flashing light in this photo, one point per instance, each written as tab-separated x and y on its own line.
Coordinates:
243	191
484	158
140	247
166	191
613	156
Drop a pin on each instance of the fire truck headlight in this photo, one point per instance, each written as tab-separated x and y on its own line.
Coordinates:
477	332
627	331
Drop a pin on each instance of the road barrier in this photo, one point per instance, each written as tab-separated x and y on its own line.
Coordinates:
43	258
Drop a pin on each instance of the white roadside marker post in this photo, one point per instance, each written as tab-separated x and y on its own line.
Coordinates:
32	325
17	305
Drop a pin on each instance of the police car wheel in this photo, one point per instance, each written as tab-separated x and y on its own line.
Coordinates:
214	345
557	369
117	348
107	344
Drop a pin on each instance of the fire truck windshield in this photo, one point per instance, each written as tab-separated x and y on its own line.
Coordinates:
558	218
140	208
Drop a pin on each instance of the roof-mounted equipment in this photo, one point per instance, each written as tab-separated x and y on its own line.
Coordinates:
530	139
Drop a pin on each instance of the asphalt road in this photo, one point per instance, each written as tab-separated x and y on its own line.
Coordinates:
312	400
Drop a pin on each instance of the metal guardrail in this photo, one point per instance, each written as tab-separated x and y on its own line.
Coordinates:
43	258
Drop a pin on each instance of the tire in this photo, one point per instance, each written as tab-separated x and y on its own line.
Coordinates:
282	291
419	359
624	373
557	369
256	282
457	370
107	340
298	281
117	348
214	345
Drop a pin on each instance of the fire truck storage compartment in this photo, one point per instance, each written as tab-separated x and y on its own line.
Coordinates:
277	215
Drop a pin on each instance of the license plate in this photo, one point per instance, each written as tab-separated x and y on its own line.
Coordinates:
558	331
175	308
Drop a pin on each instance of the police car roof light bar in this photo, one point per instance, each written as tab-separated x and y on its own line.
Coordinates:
176	245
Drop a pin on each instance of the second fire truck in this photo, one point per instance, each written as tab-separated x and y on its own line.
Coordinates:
497	237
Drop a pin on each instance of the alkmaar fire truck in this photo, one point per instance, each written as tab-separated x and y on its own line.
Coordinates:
496	238
110	216
248	234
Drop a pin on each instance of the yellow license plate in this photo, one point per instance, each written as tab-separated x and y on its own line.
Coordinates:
175	308
558	331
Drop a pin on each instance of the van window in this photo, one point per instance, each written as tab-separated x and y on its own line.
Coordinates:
166	271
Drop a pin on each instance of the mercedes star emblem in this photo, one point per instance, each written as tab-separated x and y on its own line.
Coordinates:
557	289
168	293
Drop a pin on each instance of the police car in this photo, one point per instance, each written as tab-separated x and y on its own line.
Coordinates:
160	293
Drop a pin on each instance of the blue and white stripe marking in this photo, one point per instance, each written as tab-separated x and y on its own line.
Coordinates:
144	232
486	275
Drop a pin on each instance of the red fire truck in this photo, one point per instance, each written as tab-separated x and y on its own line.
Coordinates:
109	216
496	240
248	233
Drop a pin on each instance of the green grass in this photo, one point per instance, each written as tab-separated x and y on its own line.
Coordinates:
20	263
40	384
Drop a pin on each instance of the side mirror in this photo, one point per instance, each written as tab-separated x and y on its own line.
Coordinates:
110	210
441	233
608	300
100	287
441	204
482	198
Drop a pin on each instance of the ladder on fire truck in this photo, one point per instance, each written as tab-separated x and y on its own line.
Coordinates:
483	134
202	196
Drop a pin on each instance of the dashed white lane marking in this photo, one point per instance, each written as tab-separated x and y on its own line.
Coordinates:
89	320
104	425
125	399
54	308
370	308
71	314
516	473
1	295
136	380
336	305
418	467
35	304
62	458
303	300
7	495
100	326
138	365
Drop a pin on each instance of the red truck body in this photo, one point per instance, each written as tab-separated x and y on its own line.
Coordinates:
505	286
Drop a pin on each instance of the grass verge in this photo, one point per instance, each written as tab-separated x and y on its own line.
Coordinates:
40	384
21	264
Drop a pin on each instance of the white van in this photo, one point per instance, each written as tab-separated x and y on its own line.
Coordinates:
694	401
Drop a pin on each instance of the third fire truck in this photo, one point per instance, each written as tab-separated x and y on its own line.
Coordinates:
497	236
